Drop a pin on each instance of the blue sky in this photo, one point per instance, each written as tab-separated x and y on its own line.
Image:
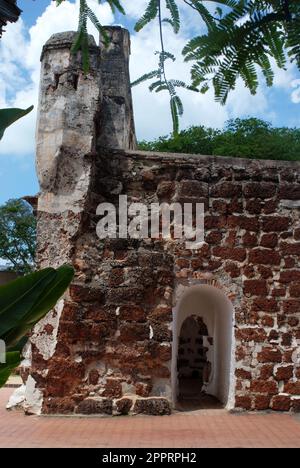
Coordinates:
19	75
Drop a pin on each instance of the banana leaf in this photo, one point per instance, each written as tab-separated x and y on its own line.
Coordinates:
23	303
9	116
26	300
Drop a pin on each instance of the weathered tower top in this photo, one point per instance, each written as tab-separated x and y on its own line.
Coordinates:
78	114
117	124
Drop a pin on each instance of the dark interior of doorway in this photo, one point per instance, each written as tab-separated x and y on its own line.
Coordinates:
193	366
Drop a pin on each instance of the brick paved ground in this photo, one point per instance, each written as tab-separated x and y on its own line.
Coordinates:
206	428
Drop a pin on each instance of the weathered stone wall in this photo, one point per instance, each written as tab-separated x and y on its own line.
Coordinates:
114	334
107	347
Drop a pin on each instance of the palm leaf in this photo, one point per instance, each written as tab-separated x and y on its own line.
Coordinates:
26	300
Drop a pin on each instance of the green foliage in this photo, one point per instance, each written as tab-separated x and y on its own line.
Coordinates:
18	235
245	138
242	37
9	116
244	40
149	15
23	303
81	41
161	82
195	140
174	13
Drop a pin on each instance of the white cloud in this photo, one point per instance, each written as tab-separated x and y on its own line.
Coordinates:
20	68
135	9
12	50
241	102
284	77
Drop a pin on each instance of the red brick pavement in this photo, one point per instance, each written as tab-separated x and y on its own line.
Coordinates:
206	428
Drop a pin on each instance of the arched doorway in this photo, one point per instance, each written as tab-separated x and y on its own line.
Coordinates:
203	349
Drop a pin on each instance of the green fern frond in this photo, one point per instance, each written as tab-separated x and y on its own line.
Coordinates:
179	105
149	15
293	40
182	84
242	40
93	18
249	75
81	39
205	14
145	77
76	46
265	65
162	87
204	88
169	21
116	5
174	12
164	55
85	54
155	85
175	118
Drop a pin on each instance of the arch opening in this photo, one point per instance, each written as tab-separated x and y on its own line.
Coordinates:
203	350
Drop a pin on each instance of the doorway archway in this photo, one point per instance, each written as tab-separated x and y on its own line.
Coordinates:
203	347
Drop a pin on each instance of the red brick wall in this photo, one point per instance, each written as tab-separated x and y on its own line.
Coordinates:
114	335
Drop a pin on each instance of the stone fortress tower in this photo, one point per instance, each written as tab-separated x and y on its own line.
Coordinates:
148	323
